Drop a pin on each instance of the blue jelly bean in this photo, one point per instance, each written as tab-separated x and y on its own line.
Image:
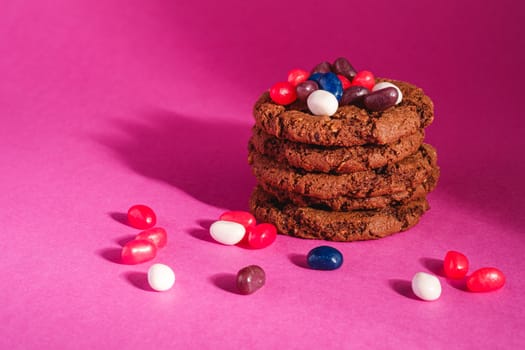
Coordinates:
331	83
324	258
316	77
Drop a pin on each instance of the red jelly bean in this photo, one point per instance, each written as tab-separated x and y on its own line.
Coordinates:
261	236
283	93
297	76
141	217
486	279
344	81
242	217
157	235
455	265
364	78
138	251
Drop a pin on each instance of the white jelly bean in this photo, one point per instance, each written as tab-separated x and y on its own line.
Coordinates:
227	232
426	286
384	85
321	102
161	277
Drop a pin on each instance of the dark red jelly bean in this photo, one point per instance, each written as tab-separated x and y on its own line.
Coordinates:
343	67
455	265
283	93
305	88
323	67
364	78
486	279
138	251
250	279
354	95
381	99
242	217
261	236
157	235
297	76
141	216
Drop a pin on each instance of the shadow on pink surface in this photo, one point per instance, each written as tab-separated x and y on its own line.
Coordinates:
205	159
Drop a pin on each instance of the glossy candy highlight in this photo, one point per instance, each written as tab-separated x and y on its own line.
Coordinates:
486	279
324	258
157	235
455	265
331	83
261	236
227	232
381	100
283	93
141	216
138	251
242	217
250	279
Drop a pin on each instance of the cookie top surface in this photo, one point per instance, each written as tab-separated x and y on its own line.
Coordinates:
350	125
335	159
393	178
310	223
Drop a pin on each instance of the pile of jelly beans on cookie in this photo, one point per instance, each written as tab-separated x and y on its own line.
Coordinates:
330	85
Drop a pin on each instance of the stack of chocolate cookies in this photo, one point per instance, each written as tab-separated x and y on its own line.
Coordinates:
355	175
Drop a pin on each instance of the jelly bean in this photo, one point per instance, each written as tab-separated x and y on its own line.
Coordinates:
157	235
305	88
250	279
364	78
141	217
344	81
385	84
381	99
316	77
227	232
138	251
486	279
426	286
242	217
321	102
354	95
331	83
296	76
161	277
455	265
324	258
261	236
283	93
323	67
343	67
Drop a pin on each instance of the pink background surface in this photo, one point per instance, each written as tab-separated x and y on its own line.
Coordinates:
112	103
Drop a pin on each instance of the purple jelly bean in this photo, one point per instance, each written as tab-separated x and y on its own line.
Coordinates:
305	88
343	67
381	99
250	279
354	95
323	67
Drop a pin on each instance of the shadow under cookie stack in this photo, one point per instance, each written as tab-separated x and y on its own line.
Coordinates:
340	155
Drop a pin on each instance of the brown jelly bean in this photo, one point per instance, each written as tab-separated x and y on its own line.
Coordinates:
343	67
250	279
381	99
354	95
323	67
305	88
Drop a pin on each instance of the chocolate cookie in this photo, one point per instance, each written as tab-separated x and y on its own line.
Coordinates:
350	125
335	159
398	177
345	203
306	222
